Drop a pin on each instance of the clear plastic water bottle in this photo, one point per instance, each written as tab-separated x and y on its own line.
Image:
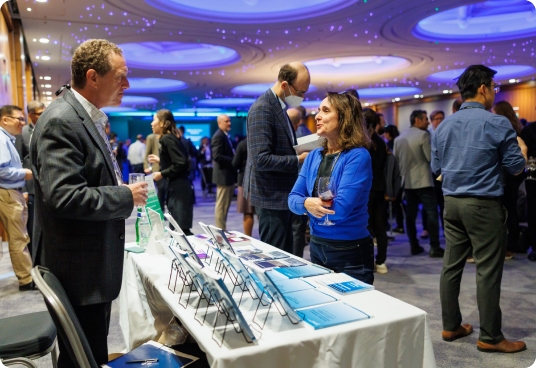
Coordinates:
143	229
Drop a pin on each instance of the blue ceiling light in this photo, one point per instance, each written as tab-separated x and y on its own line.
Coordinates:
258	89
503	72
177	55
155	85
356	66
387	92
138	100
249	11
113	109
226	102
492	20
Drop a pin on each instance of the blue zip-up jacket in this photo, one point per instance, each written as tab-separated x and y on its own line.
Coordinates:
352	175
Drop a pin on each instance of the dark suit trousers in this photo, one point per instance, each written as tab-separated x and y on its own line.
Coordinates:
275	228
428	199
299	227
479	225
376	223
95	322
530	185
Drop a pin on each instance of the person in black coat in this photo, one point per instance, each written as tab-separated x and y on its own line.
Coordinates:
223	174
242	204
174	168
376	203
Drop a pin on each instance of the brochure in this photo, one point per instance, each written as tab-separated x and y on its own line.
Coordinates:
291	285
283	263
264	256
152	352
343	284
307	143
246	249
332	314
307	298
302	271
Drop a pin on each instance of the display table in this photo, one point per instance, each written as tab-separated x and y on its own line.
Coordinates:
396	336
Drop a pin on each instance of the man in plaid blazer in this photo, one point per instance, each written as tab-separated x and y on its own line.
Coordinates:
272	164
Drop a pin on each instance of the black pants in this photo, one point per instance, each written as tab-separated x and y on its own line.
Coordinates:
275	227
95	322
137	168
180	203
479	225
161	192
299	226
376	223
530	185
511	194
427	197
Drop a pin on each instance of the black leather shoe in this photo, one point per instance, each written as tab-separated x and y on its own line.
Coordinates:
437	253
27	287
399	230
416	250
532	256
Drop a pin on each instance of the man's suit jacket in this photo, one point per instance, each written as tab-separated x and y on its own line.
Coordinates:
80	210
152	147
22	144
272	166
413	151
222	160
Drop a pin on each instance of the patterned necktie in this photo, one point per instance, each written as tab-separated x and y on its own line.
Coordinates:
230	143
116	165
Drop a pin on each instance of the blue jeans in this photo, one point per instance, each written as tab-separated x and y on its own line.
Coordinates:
356	261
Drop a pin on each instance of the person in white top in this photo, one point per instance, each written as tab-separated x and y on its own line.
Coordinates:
136	155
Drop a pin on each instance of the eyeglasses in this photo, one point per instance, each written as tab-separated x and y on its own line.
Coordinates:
21	119
299	93
37	113
495	88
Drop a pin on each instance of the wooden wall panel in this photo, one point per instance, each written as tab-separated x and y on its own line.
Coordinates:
523	98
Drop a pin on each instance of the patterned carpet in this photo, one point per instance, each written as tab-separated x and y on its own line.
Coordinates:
413	279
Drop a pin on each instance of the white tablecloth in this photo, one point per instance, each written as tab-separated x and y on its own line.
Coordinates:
396	336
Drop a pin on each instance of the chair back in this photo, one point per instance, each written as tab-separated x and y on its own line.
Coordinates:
64	317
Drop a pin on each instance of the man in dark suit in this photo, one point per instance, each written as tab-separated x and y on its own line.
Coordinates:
272	166
80	201
35	109
224	174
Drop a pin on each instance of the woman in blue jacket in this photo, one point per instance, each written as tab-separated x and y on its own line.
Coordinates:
346	246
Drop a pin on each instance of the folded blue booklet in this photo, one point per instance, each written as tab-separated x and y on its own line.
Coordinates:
307	298
332	314
302	271
264	256
342	283
154	353
291	285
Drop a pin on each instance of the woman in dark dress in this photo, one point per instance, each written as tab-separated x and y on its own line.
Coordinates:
174	168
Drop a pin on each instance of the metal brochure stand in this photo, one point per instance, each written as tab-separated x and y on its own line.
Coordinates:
227	308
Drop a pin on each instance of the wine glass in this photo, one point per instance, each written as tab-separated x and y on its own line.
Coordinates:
326	192
134	178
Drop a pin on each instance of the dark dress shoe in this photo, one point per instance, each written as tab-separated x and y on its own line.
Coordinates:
462	331
416	250
532	256
27	287
436	253
399	230
504	346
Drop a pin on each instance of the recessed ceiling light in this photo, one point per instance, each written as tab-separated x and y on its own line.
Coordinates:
48	86
45	57
29	9
397	99
34	40
445	91
41	1
49	98
512	80
46	77
41	77
48	93
416	96
44	40
42	85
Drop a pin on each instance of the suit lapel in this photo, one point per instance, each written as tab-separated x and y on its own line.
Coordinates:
282	117
92	130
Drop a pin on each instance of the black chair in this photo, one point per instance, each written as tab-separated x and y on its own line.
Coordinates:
27	337
64	318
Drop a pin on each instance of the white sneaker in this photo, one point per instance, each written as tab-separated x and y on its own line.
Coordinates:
381	268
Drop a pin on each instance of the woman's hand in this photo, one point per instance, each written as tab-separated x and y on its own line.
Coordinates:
315	206
157	176
153	159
